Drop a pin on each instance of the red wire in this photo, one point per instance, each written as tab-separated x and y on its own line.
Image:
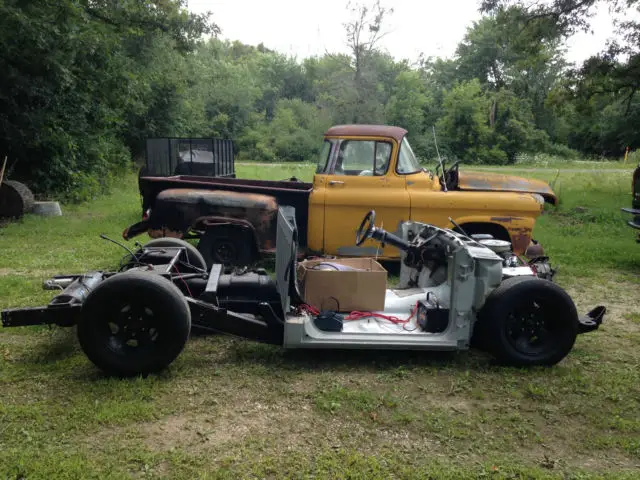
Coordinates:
356	315
183	280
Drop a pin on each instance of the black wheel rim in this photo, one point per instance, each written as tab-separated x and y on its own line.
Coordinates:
533	330
225	252
131	327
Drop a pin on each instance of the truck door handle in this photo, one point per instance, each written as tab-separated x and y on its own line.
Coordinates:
336	182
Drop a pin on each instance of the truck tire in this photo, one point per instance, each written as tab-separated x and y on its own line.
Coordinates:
15	199
528	321
194	257
134	323
230	245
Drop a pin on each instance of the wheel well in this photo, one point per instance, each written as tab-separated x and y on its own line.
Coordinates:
243	239
493	229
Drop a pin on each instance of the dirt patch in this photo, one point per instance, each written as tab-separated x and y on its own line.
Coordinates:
619	296
198	430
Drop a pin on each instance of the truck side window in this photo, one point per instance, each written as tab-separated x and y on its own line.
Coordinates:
407	161
363	158
323	157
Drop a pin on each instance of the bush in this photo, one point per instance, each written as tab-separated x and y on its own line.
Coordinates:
293	135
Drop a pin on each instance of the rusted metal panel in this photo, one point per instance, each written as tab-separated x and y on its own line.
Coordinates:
520	239
295	194
177	211
164	232
505	219
493	182
396	133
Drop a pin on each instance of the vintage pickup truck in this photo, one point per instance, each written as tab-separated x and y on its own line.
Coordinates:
360	167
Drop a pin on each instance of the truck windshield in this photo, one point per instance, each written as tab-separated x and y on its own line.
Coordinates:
323	157
407	161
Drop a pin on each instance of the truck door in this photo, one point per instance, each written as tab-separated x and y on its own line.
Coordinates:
362	178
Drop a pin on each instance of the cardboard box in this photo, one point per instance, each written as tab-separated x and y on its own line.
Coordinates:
362	289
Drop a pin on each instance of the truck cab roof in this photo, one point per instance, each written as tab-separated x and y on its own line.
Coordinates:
396	133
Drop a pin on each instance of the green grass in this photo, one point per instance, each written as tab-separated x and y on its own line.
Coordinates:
234	409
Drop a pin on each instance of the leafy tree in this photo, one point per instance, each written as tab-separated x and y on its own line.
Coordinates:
464	124
407	102
609	78
293	134
505	51
76	84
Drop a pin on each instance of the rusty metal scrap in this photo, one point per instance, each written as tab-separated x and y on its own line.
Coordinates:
505	219
520	239
179	210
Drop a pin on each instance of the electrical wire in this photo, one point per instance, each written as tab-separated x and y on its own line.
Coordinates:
104	237
358	315
188	265
183	281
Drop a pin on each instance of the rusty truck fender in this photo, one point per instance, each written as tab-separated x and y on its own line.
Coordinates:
191	213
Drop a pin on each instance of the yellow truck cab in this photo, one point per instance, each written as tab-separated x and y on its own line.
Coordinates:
365	167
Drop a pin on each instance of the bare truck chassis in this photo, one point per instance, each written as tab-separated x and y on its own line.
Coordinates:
454	292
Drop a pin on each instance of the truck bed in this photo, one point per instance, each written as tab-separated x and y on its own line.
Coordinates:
294	194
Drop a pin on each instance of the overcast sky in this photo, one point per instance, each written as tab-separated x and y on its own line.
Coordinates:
310	27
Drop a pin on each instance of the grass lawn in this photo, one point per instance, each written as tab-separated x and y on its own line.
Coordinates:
228	408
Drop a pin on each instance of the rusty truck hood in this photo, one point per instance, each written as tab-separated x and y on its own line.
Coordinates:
494	182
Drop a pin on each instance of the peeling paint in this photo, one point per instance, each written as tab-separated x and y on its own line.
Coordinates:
164	232
505	219
505	183
520	239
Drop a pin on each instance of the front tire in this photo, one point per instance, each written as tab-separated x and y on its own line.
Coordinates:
528	321
134	323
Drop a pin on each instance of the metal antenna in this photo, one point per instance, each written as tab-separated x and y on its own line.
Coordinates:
435	140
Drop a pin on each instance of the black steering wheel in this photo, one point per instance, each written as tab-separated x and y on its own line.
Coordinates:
366	227
447	175
452	167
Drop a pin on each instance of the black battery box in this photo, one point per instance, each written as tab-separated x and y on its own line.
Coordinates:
431	317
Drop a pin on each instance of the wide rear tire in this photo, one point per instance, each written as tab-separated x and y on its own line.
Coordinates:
134	323
528	321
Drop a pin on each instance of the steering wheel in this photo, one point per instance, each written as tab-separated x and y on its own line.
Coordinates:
366	227
452	167
447	175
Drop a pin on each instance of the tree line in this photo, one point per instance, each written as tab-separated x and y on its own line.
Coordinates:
85	82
